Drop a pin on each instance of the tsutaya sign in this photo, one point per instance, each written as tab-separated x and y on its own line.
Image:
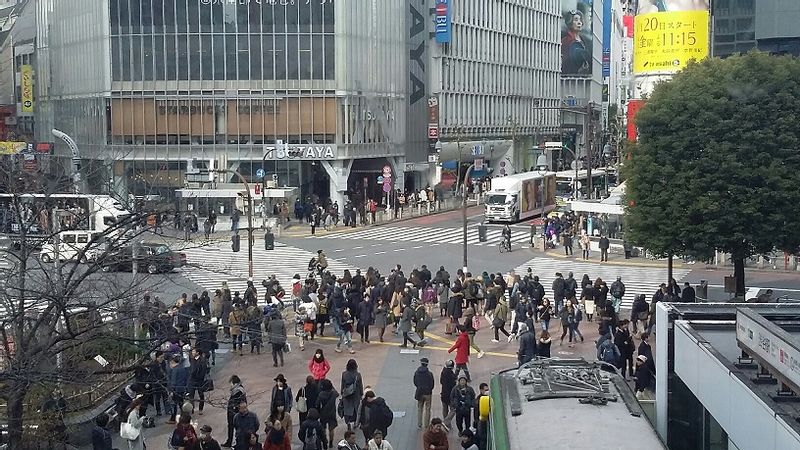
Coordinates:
301	152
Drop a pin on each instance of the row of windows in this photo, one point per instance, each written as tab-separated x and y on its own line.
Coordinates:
223	57
478	77
460	110
510	17
254	16
485	45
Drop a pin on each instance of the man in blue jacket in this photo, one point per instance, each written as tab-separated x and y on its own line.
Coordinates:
178	385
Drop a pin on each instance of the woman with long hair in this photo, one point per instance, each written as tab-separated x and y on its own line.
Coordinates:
134	424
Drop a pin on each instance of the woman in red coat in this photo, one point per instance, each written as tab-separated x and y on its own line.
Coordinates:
461	347
277	438
319	366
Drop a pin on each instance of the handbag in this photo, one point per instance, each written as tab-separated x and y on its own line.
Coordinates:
302	403
128	432
208	383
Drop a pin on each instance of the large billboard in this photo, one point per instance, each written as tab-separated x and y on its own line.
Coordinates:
26	86
576	38
669	33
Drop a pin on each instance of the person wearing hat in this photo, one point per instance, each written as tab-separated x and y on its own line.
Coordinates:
281	395
423	381
206	441
447	380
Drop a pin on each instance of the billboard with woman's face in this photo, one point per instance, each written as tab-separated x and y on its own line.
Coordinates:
576	38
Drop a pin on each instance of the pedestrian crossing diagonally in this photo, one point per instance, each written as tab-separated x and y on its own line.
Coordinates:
210	265
638	280
452	235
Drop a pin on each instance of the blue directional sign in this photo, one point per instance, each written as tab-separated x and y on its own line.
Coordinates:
260	173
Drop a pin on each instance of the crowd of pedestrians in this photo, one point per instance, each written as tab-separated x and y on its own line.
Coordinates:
175	381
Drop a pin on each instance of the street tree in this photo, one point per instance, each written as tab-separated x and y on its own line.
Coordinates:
56	317
717	162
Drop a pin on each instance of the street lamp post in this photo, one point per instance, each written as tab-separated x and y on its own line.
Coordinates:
464	213
249	219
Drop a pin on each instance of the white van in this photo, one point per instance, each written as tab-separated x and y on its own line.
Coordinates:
71	243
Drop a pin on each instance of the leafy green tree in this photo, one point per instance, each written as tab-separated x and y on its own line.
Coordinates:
717	164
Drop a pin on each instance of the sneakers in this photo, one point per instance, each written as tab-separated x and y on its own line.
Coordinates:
352	352
511	337
480	354
496	340
337	350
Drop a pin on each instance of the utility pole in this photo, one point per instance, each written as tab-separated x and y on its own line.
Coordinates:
589	149
464	214
249	219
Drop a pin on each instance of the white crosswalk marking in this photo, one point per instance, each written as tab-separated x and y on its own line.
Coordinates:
638	280
210	265
452	235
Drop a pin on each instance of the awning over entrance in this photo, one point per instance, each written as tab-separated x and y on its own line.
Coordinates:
284	192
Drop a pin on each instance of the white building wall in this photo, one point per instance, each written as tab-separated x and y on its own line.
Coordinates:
725	397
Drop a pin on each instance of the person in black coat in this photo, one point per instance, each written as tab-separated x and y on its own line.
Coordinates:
312	426
624	342
447	381
527	344
101	437
366	316
424	383
688	294
310	391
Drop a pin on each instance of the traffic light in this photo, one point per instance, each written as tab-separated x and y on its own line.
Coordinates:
235	244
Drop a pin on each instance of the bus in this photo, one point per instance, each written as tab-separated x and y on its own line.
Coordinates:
517	197
565	183
594	408
75	212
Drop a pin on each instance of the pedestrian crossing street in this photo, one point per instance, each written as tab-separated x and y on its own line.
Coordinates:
453	235
210	265
638	280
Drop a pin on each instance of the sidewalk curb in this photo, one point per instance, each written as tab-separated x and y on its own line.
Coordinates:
641	263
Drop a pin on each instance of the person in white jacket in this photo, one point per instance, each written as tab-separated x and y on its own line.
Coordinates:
134	422
378	442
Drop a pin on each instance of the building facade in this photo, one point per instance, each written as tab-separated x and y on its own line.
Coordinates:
494	83
766	25
302	94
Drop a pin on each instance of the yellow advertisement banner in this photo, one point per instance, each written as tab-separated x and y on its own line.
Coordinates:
26	86
11	147
664	42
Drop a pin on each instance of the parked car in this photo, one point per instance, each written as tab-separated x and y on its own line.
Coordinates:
150	258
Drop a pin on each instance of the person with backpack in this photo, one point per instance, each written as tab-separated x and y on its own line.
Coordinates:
184	436
406	319
617	291
527	344
380	415
312	433
422	320
608	352
462	399
472	323
352	389
500	318
236	397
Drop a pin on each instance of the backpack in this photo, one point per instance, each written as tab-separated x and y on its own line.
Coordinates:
476	322
472	289
311	439
609	354
386	415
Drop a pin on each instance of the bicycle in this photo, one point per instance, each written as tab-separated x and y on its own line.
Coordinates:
504	246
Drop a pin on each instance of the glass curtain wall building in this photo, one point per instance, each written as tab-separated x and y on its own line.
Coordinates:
153	89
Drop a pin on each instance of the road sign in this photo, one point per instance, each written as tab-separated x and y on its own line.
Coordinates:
433	132
380	179
477	150
478	164
387	187
260	173
552	144
257	188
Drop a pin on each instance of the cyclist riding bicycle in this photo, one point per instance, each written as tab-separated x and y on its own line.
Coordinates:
507	236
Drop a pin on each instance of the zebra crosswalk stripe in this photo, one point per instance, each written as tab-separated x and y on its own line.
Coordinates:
210	265
428	234
637	280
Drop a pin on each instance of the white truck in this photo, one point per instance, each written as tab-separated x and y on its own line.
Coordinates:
517	197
